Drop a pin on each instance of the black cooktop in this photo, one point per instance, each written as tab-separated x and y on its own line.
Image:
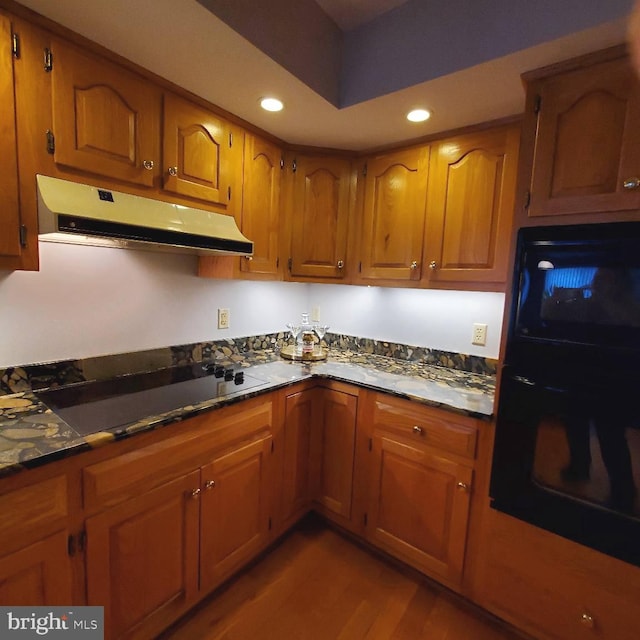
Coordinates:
109	405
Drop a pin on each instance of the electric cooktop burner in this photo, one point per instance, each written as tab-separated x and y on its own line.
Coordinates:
107	405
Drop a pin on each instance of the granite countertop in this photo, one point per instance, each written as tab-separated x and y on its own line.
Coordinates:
32	435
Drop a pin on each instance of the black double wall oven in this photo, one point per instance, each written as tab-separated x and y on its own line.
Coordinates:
567	449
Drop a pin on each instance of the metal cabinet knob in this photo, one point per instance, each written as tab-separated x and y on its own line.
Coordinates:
463	486
631	183
249	258
209	484
148	165
414	265
340	264
173	171
195	493
587	620
433	265
417	429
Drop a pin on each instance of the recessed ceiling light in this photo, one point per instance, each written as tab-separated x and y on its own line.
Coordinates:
271	104
418	115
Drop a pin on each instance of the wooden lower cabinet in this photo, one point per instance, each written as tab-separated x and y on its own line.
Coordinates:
142	558
235	518
556	589
38	574
334	450
420	481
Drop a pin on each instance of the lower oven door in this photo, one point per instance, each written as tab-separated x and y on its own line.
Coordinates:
567	458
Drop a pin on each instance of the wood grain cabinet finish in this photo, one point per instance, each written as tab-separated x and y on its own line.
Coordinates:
35	567
106	120
142	558
10	247
320	217
587	148
472	183
419	488
334	449
393	215
196	151
260	220
300	409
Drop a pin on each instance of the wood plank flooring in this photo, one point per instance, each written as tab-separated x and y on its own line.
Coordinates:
318	585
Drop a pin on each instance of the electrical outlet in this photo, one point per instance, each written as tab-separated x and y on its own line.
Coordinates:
315	314
479	334
223	318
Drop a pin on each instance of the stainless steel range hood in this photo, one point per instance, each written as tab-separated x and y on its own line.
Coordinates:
77	213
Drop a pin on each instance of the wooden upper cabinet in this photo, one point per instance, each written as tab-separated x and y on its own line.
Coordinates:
470	206
393	216
260	219
106	120
196	148
10	247
320	217
587	149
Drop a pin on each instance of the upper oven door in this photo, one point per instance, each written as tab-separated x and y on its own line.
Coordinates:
579	286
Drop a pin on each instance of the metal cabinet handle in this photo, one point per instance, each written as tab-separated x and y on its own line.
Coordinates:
417	429
587	620
148	165
463	486
631	183
414	265
433	265
340	264
173	171
209	484
249	258
195	493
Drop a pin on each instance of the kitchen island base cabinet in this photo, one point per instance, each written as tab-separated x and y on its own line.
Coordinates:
142	558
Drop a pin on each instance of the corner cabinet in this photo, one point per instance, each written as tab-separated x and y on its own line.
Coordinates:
106	119
421	478
393	216
472	184
10	239
586	123
319	214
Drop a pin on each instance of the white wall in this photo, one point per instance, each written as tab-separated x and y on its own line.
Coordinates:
90	301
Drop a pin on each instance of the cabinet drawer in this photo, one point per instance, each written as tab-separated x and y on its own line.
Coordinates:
434	428
125	476
40	507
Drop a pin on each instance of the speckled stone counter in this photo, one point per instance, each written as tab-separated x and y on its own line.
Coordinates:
32	435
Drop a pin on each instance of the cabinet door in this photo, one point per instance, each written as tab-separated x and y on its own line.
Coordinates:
470	207
295	494
588	142
142	558
9	211
419	506
261	206
319	217
37	575
235	517
395	191
196	150
106	120
336	451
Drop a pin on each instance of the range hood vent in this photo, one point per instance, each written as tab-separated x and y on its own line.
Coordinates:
77	213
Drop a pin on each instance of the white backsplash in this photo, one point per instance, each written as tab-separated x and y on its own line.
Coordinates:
89	301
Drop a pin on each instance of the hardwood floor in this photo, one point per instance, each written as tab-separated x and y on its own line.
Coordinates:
318	585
